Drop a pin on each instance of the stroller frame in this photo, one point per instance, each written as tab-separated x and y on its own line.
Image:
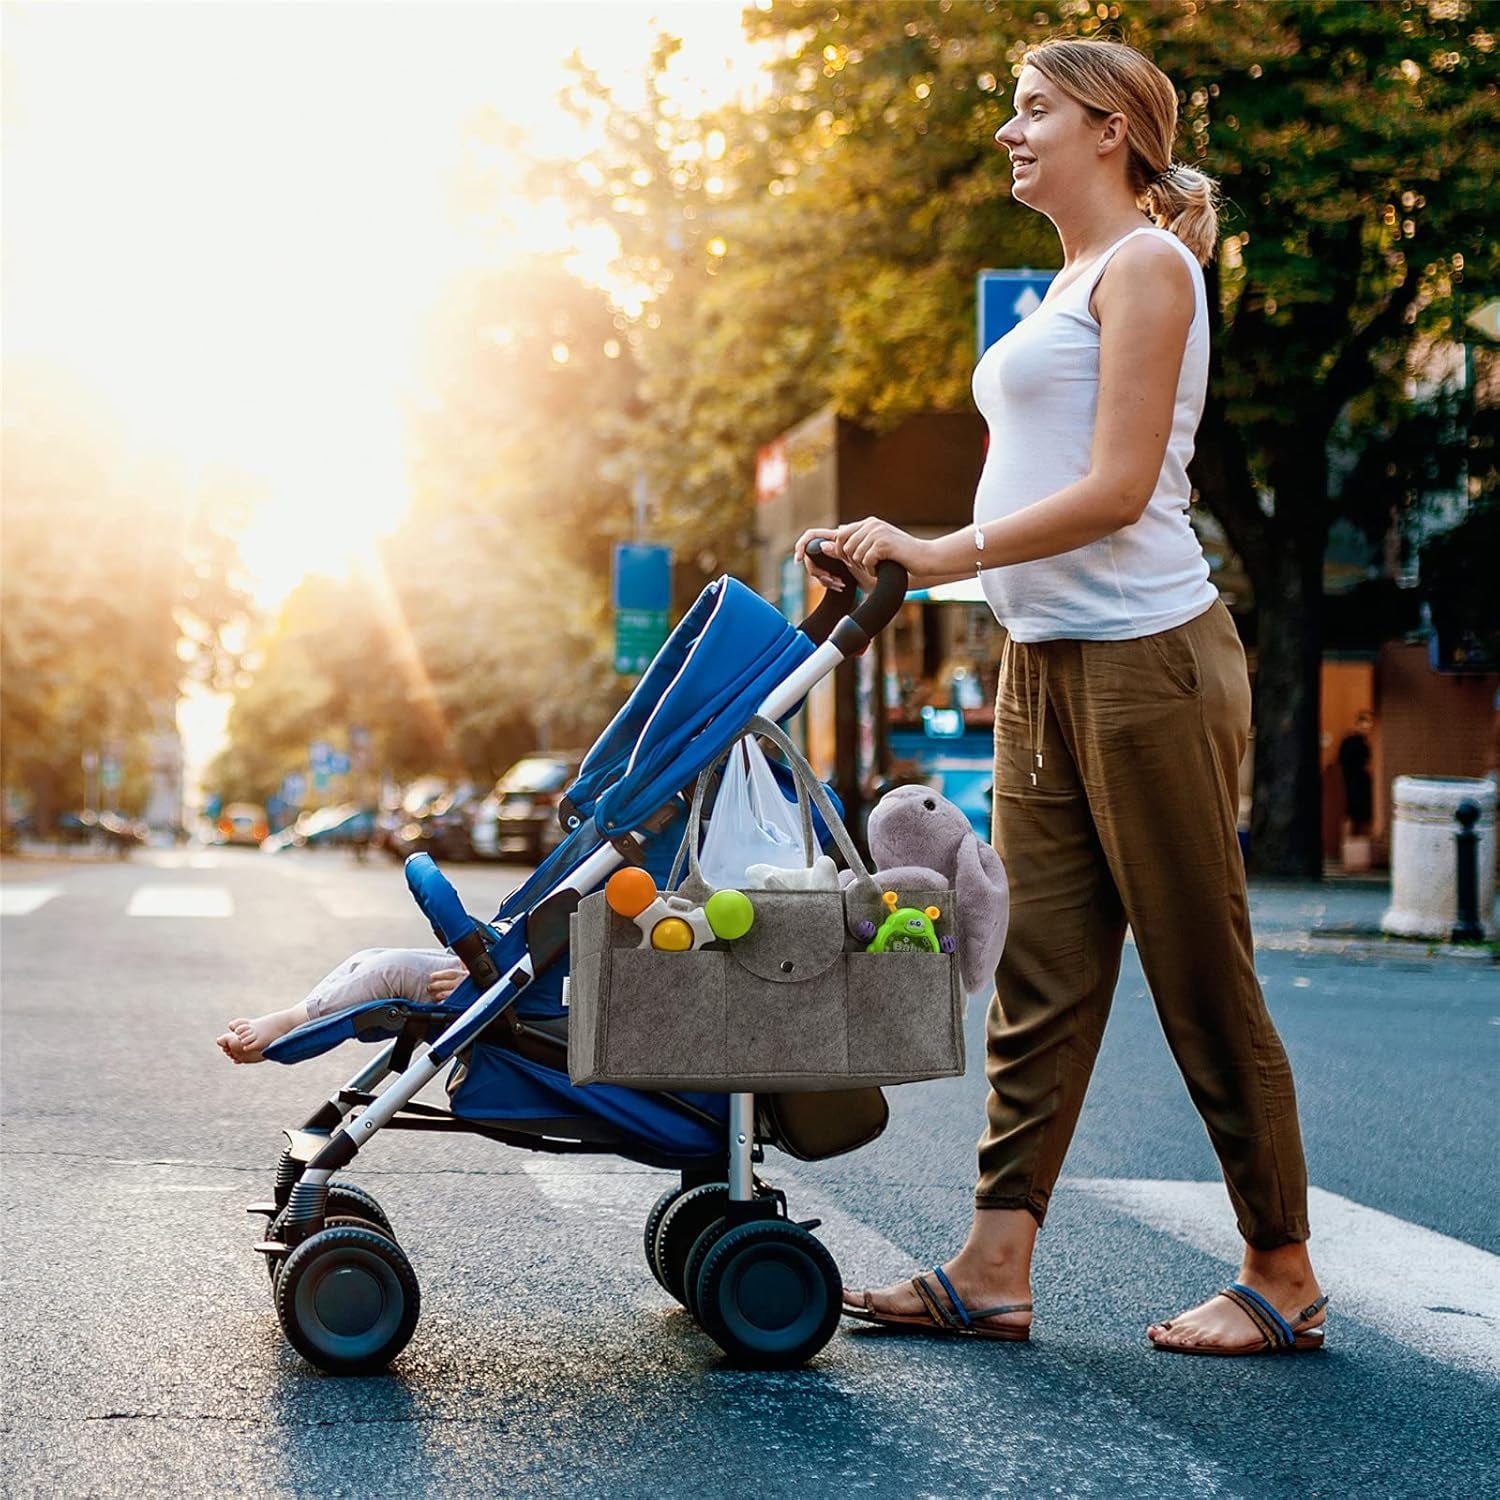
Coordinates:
700	1237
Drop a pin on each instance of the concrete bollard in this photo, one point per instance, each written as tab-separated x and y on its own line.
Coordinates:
1424	865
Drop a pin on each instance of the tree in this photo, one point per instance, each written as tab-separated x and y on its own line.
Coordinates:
483	630
833	257
119	585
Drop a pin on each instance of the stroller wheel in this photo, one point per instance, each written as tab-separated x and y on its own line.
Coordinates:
681	1223
348	1300
349	1207
693	1271
653	1223
351	1202
768	1294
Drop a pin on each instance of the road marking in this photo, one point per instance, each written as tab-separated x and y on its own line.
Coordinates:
184	859
181	901
21	900
1437	1295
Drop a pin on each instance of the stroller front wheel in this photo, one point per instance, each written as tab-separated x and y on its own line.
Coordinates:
768	1294
348	1301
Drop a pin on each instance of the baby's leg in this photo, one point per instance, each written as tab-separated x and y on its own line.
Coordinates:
378	974
370	974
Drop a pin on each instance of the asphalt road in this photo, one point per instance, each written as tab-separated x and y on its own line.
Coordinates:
143	1357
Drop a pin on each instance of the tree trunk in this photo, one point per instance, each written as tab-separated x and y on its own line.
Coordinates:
1286	820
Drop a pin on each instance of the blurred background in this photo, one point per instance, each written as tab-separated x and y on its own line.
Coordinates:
345	343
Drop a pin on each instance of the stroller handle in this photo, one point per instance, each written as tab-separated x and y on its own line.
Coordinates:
873	613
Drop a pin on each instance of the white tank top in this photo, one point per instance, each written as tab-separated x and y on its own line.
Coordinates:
1038	389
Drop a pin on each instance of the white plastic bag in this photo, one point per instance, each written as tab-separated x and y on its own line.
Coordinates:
752	822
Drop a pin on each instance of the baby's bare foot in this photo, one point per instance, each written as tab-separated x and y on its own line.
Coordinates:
246	1041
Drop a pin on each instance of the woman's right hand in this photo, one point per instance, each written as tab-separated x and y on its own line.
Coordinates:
830	538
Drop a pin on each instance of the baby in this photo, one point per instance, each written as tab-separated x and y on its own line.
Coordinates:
421	975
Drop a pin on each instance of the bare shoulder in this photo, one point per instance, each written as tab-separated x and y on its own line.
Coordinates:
1145	274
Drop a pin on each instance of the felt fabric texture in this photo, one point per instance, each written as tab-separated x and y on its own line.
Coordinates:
915	834
793	1006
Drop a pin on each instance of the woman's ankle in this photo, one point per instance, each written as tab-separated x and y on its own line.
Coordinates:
1287	1266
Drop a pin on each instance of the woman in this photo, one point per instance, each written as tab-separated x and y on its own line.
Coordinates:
1121	717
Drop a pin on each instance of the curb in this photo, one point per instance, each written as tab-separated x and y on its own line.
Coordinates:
1384	947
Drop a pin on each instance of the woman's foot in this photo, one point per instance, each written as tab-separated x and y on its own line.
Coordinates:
246	1041
979	1285
1283	1277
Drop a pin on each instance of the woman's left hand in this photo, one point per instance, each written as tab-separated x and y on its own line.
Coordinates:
871	541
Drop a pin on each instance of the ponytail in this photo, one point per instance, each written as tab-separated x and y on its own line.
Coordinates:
1185	202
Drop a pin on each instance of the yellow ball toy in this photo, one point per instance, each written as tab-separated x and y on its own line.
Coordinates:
672	935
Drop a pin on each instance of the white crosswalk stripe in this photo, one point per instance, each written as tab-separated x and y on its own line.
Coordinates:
1437	1295
22	900
181	901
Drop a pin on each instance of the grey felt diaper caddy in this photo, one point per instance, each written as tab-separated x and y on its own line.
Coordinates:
796	1004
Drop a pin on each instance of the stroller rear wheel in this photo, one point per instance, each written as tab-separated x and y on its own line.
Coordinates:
769	1294
348	1300
682	1221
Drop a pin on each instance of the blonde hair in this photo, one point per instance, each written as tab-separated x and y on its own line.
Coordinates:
1110	78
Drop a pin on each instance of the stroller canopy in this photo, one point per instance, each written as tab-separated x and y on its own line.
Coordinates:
715	670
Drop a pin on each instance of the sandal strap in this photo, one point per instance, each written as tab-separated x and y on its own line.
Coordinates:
966	1318
935	1309
1272	1325
969	1316
1312	1310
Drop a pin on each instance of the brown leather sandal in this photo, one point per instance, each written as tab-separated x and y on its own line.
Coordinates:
935	1318
1277	1334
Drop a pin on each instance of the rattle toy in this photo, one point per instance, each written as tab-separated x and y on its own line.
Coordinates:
907	929
669	924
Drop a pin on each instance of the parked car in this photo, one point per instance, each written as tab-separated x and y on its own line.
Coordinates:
103	830
345	825
441	826
411	802
519	817
241	823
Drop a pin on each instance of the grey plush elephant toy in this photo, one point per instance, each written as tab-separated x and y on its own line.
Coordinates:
938	849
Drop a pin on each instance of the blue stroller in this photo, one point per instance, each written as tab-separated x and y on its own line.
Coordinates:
762	1286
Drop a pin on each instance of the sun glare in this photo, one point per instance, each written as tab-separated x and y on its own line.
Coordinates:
230	220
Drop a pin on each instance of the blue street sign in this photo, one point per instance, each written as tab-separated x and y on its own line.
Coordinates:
643	601
1004	298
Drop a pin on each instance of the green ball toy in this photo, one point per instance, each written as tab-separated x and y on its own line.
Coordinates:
730	914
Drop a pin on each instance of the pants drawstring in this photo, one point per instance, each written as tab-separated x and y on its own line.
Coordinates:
1036	714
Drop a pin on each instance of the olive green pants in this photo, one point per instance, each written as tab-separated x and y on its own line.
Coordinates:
1116	793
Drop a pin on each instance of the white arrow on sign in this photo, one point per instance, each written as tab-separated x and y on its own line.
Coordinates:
1486	318
1027	303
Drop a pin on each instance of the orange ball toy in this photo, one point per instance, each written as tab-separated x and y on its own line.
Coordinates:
629	892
